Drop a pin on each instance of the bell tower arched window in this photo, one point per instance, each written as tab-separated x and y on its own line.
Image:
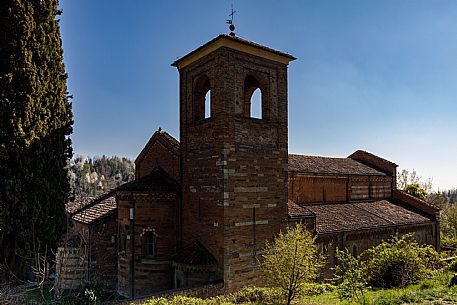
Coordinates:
202	99
253	103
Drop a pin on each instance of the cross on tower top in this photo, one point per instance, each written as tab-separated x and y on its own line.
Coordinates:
230	22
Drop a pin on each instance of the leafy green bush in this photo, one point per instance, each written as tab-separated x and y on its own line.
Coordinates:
452	265
318	289
256	295
292	261
249	295
448	242
398	262
349	276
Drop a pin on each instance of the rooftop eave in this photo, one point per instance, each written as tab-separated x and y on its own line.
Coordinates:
235	44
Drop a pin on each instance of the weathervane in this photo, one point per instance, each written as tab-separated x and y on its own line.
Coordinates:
230	21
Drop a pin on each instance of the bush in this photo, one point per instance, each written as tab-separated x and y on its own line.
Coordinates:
452	265
249	295
318	289
256	295
349	276
292	261
398	262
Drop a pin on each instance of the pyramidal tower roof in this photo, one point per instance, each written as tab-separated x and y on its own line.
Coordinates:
236	43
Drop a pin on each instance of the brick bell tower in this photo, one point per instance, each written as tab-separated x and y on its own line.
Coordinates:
234	166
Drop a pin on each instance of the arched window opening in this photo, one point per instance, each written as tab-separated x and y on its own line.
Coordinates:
256	104
208	104
149	243
354	250
252	98
202	99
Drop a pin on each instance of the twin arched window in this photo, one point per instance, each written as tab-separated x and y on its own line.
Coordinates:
252	99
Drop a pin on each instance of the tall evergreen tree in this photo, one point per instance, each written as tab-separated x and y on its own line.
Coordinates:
35	124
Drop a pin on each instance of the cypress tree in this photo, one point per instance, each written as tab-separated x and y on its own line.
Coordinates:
35	124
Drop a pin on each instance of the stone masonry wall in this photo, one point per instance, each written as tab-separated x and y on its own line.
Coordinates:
234	167
153	210
310	188
159	154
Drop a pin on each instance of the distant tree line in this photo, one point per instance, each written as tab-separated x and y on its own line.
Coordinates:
90	176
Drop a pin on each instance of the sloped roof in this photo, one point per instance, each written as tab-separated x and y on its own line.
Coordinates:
157	180
329	165
194	254
360	152
358	216
98	208
294	210
229	38
77	203
97	211
165	138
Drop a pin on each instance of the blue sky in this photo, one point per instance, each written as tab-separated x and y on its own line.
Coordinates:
374	75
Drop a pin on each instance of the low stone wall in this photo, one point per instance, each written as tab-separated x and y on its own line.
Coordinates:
71	269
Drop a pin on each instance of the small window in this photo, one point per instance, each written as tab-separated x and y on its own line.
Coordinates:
149	241
252	98
208	104
256	104
354	250
202	99
122	239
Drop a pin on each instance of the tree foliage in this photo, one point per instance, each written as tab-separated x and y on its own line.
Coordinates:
349	276
406	178
35	122
416	191
398	262
91	176
291	261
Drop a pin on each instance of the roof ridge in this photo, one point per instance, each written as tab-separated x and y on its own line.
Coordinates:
96	200
373	213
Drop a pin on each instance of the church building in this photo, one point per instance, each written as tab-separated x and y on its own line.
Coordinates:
200	209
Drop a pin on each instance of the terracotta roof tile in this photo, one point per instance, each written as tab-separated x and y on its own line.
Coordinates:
328	165
234	38
294	210
157	180
357	216
98	208
78	203
394	213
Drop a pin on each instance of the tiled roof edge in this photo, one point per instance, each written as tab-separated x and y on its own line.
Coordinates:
238	39
97	200
169	141
415	202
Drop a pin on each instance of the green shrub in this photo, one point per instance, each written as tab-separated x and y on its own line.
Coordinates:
318	289
256	295
452	265
448	242
399	262
350	277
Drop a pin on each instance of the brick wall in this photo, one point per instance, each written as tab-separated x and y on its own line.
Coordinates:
234	167
152	210
158	153
358	241
311	188
101	251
